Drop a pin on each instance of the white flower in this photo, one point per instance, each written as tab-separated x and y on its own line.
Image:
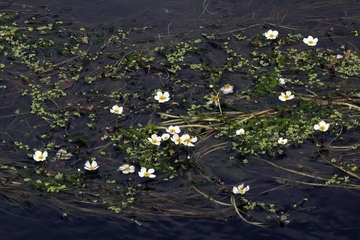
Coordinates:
240	131
165	136
91	167
286	96
116	109
339	56
162	97
227	88
63	154
281	81
173	129
271	34
187	140
155	139
282	141
213	100
40	156
310	41
176	139
322	126
126	168
148	173
240	189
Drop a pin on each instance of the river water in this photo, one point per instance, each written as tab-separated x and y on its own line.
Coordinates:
338	216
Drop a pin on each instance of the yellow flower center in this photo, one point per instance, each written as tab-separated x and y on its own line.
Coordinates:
117	111
310	42
146	174
322	128
227	86
188	140
178	140
154	141
214	98
41	157
271	35
127	169
162	97
91	168
242	191
287	96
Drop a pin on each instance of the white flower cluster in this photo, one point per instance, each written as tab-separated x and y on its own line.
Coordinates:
310	41
173	135
226	89
148	173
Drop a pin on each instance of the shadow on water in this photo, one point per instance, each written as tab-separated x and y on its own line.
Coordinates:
126	67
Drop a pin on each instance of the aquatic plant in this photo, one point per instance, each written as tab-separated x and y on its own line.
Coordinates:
91	166
310	41
271	34
322	126
126	168
40	156
241	189
224	113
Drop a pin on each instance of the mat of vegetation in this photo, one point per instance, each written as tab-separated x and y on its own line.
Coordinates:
208	124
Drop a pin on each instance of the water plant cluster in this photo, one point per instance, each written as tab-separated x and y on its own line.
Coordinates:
89	117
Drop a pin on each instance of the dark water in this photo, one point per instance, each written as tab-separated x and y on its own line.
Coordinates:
339	220
336	216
